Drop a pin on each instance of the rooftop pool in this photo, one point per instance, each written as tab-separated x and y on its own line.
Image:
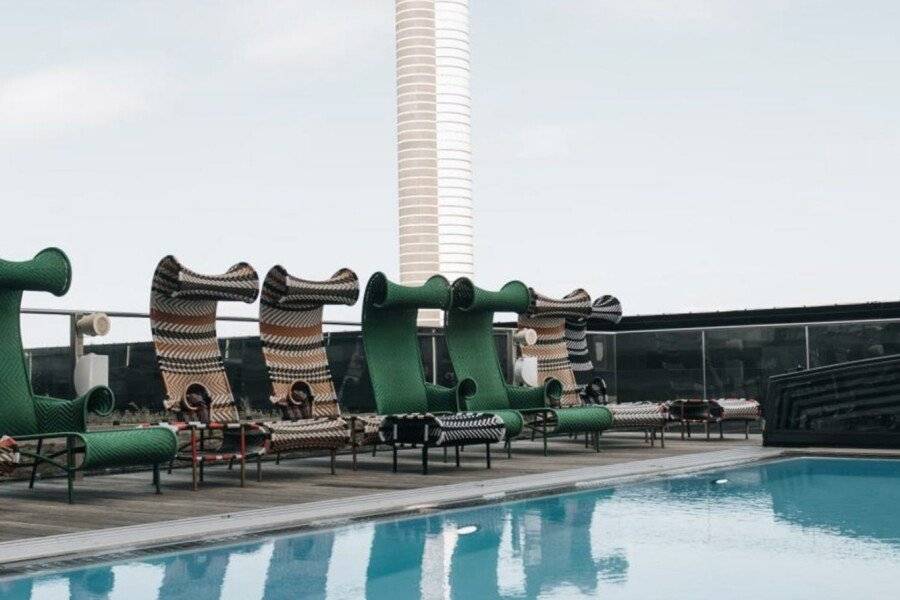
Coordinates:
794	528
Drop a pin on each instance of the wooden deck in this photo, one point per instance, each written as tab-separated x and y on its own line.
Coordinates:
128	499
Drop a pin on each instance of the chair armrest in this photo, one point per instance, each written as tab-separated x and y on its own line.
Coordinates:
56	415
439	398
526	398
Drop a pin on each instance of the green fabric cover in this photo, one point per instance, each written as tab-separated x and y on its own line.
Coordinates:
470	340
24	415
390	338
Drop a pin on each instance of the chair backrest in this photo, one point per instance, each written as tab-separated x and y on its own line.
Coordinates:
183	319
470	338
390	337
605	308
290	329
547	316
48	271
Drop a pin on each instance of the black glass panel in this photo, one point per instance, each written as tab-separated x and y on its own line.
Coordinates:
832	344
740	361
602	350
659	366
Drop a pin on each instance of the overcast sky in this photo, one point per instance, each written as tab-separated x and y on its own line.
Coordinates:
683	155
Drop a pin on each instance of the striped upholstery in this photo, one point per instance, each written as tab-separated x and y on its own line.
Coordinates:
9	455
724	409
607	308
639	414
547	316
290	329
443	430
183	319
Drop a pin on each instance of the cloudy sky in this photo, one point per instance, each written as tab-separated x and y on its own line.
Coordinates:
684	155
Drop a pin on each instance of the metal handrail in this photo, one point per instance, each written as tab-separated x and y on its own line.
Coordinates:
143	315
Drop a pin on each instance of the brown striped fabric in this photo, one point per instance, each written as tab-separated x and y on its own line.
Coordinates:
290	328
547	316
183	308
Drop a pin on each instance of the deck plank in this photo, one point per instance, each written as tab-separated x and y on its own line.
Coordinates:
127	499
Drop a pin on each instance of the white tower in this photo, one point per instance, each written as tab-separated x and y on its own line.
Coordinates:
433	141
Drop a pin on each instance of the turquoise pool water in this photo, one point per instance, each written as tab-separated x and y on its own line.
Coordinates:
799	528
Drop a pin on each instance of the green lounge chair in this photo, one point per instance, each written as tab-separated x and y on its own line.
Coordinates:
25	416
415	411
470	340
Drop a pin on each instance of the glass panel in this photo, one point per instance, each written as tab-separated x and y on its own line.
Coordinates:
831	344
602	350
347	359
740	361
658	366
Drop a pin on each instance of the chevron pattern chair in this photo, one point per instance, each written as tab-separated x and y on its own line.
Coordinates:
27	417
290	328
474	355
416	412
183	306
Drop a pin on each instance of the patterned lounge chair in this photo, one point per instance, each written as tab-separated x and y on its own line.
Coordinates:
290	328
27	417
714	412
183	307
415	411
650	417
470	340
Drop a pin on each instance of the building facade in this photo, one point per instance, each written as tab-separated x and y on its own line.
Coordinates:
433	141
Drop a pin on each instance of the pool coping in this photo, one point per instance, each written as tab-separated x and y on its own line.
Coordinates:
52	552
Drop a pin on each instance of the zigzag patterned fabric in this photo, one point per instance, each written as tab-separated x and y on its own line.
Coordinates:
639	414
606	308
444	430
183	319
723	409
9	455
290	328
547	317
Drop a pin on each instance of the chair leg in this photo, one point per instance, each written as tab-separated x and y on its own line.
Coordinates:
445	453
508	448
662	436
202	447
243	457
746	430
333	456
374	448
156	478
194	458
171	464
456	452
721	431
34	467
259	467
706	427
230	463
544	434
424	459
70	468
394	448
597	441
353	449
487	454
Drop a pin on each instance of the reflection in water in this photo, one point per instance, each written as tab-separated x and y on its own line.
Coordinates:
299	562
832	522
860	500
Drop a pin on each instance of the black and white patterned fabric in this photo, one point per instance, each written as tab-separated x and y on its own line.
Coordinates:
734	409
442	430
607	308
638	414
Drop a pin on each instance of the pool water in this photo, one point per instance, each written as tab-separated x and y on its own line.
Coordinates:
798	528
